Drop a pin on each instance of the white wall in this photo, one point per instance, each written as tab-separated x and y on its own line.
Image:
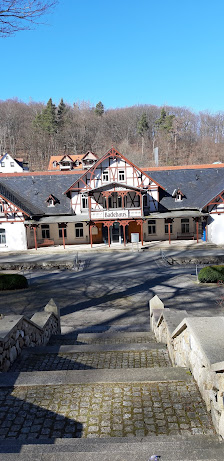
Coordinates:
15	236
8	161
216	228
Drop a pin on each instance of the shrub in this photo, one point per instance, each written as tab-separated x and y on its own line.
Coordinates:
211	274
12	282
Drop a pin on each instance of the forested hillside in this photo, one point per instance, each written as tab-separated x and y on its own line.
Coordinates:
35	131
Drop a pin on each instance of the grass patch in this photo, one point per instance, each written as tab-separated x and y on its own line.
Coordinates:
211	274
12	282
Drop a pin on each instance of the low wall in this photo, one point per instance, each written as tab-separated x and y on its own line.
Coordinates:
198	344
17	332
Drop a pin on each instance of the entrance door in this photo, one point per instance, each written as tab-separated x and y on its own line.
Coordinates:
115	233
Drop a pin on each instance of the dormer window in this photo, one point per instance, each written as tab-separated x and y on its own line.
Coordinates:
178	195
52	200
54	164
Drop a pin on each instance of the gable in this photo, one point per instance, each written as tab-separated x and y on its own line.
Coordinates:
114	164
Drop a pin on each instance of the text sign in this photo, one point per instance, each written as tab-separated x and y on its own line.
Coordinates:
116	214
134	237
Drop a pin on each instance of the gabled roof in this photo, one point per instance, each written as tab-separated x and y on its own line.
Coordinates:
113	153
66	156
89	152
58	158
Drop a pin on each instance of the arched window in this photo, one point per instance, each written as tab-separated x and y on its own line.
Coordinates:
2	236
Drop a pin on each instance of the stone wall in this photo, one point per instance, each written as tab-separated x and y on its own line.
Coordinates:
17	331
196	343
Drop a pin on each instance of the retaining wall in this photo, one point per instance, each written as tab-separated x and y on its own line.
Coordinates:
17	332
198	344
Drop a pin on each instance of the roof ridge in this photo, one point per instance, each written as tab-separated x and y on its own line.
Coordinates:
184	167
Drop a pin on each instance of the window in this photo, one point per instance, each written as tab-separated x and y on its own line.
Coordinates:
184	226
50	202
3	164
2	236
60	232
106	176
1	208
151	226
12	164
167	228
145	202
54	164
121	175
84	202
45	229
79	230
178	198
119	202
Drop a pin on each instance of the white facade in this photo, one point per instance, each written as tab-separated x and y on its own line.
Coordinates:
12	236
115	175
9	165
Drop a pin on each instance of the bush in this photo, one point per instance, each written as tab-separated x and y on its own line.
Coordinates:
12	282
211	274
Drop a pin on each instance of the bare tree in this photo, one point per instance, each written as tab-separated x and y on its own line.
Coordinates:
16	15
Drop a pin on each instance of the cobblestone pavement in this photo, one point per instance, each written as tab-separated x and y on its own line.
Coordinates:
98	410
82	361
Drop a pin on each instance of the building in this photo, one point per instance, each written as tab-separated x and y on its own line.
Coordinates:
109	202
12	165
70	162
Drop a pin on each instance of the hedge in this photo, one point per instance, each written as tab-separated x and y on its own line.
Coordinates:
212	274
12	282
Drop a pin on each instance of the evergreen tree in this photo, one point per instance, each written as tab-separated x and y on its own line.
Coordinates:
61	114
99	109
143	125
47	119
165	122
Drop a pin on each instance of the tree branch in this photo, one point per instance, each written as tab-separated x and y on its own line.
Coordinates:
15	14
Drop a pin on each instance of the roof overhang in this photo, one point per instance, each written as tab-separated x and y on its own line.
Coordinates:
178	214
116	187
57	219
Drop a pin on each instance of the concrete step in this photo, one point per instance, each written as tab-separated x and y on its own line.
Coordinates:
111	337
131	375
179	448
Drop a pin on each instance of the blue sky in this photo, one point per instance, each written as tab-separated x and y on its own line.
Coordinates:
121	53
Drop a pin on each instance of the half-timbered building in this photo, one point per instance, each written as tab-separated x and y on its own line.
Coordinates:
111	202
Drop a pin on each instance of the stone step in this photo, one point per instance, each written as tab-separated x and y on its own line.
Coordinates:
110	337
200	448
92	357
131	375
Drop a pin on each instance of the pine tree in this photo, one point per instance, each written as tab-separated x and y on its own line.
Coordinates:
165	122
47	119
99	109
61	111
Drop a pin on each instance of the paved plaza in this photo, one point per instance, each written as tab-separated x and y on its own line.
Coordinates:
105	377
112	291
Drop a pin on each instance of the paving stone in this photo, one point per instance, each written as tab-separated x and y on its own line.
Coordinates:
115	421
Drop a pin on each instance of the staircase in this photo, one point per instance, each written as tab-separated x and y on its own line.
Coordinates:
103	397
